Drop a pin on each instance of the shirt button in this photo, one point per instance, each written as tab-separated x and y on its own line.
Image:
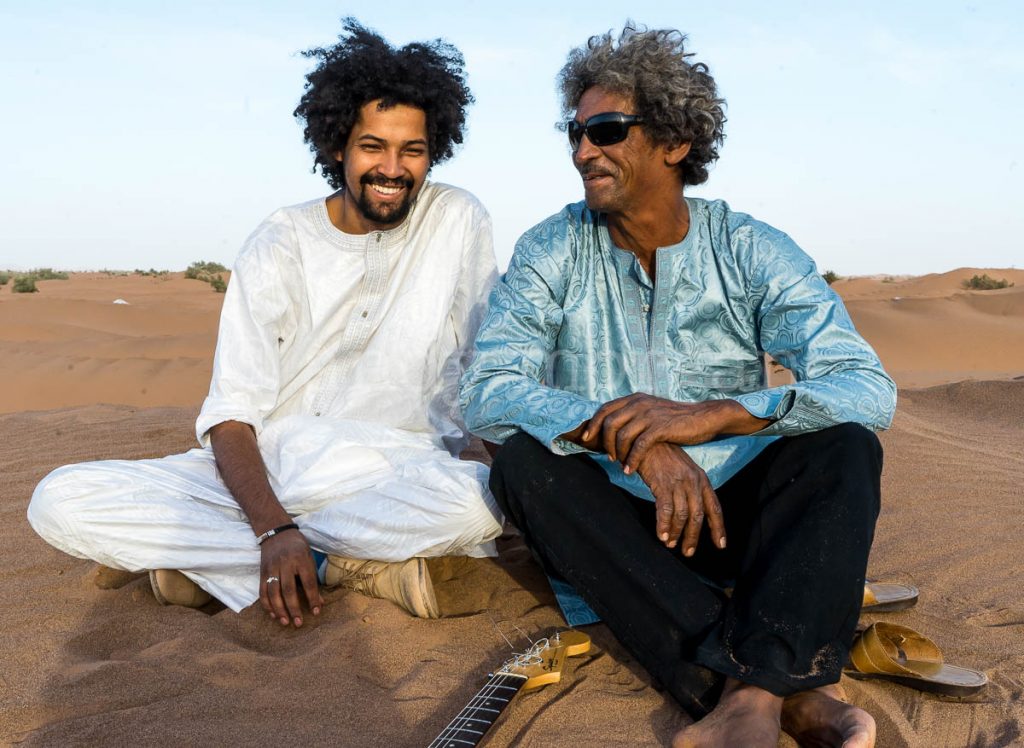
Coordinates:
317	413
364	314
378	238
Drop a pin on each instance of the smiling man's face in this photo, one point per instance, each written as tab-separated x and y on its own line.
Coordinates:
385	163
617	178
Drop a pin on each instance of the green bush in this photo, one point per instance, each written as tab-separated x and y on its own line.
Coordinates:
209	272
152	272
204	271
24	284
4	277
48	274
985	283
830	276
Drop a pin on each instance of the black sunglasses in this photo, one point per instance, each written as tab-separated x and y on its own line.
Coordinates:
607	128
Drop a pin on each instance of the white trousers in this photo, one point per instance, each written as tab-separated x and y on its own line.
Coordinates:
355	489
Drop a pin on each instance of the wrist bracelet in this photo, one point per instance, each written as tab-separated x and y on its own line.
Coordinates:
271	533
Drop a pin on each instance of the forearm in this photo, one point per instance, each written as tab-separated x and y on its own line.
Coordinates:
243	472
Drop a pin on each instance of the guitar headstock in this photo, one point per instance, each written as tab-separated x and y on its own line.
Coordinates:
543	662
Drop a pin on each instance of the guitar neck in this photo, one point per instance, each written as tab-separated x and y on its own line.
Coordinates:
482	711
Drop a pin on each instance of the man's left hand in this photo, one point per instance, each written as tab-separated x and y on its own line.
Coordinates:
628	427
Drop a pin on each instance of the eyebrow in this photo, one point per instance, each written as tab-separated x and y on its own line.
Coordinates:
382	141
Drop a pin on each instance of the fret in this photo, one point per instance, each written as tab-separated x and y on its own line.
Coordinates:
484	701
538	666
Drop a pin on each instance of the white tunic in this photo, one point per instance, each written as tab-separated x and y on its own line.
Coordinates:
344	353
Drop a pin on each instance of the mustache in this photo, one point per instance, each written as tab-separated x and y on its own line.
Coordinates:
380	181
590	170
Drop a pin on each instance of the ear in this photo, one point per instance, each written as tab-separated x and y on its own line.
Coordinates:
339	156
676	153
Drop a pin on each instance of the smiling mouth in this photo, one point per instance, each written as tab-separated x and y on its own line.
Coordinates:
385	190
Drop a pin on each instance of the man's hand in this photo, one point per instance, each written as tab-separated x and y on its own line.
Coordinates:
285	558
683	497
627	428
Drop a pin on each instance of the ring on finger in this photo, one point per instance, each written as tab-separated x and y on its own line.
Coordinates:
271	580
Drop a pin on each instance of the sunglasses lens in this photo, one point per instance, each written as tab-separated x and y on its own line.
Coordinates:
575	132
607	133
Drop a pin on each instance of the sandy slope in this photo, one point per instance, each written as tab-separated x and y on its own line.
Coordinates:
70	344
84	666
930	330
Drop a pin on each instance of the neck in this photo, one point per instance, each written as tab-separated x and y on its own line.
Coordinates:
480	713
657	224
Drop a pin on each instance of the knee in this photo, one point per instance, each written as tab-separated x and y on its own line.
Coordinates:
48	508
520	464
852	455
856	445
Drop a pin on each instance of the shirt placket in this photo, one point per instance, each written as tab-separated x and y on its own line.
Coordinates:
638	305
360	325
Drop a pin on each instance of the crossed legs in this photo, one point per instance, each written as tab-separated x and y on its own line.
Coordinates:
800	520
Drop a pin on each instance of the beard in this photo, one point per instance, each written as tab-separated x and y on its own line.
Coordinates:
388	213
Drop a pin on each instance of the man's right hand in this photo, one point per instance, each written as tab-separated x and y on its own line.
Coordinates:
683	497
287	562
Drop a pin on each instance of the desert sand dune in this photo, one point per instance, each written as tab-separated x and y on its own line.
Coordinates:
85	666
70	344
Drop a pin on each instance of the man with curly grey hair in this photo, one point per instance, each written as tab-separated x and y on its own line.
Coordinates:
621	367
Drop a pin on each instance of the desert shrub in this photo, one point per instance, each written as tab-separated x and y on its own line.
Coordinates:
204	271
830	276
48	274
24	284
152	272
209	272
985	283
4	277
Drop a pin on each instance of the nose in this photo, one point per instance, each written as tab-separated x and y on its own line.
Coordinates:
586	151
391	164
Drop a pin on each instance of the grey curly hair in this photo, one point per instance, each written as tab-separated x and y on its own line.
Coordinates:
677	99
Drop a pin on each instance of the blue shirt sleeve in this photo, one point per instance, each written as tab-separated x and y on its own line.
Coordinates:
804	325
503	390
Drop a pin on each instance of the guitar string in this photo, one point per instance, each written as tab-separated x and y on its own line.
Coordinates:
485	693
532	656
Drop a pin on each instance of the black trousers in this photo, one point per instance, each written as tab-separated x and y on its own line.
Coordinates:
799	523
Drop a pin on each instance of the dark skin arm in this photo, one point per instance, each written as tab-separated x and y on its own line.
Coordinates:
285	555
643	432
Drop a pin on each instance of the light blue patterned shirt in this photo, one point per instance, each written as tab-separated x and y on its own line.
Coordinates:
576	322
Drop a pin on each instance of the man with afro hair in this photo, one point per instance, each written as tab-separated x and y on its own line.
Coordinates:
331	433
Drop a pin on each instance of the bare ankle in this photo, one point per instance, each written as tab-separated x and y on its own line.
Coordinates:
754	696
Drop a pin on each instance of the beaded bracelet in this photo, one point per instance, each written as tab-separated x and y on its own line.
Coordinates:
271	533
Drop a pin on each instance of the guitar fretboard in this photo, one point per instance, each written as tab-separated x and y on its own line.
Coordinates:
482	711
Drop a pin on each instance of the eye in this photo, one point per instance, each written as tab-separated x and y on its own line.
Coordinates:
369	147
416	152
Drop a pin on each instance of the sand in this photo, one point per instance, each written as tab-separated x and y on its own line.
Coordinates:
85	666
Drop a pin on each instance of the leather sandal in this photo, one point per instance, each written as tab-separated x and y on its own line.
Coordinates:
888	597
899	654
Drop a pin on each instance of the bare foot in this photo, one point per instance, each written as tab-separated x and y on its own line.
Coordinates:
821	718
746	715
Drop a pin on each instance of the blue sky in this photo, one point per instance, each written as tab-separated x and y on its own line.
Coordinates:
151	134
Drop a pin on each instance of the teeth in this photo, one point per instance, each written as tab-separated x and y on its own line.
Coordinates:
387	190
